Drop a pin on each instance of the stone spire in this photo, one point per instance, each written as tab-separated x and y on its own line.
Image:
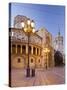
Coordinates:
59	31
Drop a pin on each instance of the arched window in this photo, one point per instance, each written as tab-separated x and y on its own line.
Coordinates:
31	60
58	58
18	48
37	51
39	60
19	60
29	49
24	49
13	49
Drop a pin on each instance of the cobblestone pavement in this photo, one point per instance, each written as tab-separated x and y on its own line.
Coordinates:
51	76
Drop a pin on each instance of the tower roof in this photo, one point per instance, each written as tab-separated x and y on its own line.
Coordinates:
59	33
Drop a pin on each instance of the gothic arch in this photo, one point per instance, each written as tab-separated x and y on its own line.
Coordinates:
58	58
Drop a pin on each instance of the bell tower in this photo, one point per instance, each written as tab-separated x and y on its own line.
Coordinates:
58	42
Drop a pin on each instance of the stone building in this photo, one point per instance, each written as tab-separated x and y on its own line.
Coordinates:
19	49
59	44
46	43
38	42
18	20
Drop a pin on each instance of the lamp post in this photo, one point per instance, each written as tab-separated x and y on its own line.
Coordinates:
28	28
46	51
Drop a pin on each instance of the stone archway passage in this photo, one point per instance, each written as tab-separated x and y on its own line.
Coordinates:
58	58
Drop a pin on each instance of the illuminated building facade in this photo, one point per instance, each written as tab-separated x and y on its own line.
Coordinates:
38	42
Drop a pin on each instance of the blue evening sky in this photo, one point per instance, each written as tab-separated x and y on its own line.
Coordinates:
48	16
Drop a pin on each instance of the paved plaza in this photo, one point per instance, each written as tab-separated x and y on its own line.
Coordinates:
51	76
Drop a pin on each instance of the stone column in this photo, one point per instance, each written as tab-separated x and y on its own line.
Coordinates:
16	49
21	49
26	49
32	50
11	48
39	51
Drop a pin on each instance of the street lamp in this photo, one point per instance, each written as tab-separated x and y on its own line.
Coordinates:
46	51
28	28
